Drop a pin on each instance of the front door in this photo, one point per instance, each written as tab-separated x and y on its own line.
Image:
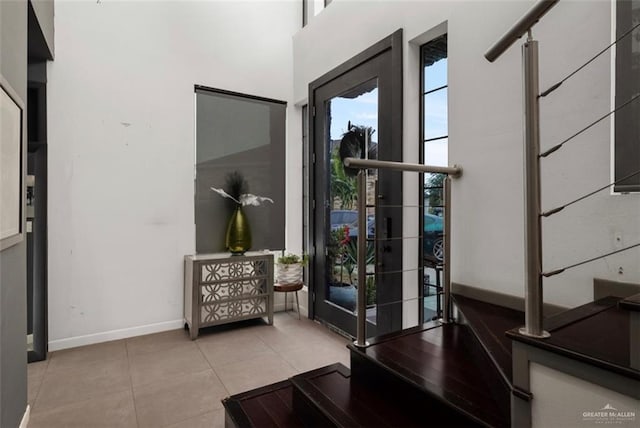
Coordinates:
356	112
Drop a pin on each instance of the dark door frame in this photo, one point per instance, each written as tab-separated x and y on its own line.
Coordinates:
391	318
38	53
37	237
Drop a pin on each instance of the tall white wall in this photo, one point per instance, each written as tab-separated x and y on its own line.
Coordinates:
564	400
121	148
121	133
485	134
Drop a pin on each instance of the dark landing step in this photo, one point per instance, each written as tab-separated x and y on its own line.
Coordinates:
489	323
331	397
269	406
598	333
631	303
441	369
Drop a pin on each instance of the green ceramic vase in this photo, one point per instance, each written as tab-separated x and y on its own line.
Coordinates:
238	238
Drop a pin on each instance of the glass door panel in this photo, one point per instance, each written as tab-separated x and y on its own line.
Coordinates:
352	119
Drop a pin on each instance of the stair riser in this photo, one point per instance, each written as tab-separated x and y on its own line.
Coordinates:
229	422
308	412
408	396
500	390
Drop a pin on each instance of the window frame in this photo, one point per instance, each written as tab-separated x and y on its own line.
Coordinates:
421	151
209	230
625	140
423	94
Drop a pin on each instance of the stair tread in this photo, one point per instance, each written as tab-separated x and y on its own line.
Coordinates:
439	361
597	333
490	323
631	303
266	406
575	315
346	402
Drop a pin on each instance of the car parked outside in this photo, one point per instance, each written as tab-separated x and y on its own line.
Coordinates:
433	249
371	228
341	218
432	242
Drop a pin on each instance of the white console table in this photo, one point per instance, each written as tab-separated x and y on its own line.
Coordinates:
220	288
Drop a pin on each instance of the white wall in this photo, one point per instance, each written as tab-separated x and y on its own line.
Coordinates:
121	141
562	400
485	135
121	148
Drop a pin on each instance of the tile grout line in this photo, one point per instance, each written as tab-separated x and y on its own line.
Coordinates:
176	376
281	354
211	367
215	373
193	416
265	342
277	354
217	377
66	405
133	395
35	398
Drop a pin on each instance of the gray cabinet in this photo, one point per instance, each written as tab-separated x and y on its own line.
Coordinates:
219	288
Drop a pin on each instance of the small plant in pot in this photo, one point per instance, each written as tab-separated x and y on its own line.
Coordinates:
290	268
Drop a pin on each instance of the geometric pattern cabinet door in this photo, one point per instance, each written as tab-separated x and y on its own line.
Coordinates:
219	288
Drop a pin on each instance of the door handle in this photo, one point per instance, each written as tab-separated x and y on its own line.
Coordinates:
386	248
387	227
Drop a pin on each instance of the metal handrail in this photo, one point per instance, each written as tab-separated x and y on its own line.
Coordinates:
518	29
364	164
533	229
454	171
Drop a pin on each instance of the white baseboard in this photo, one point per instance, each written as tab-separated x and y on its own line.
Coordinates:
25	418
89	339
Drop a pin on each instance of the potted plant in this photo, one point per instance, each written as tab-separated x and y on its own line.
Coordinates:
290	268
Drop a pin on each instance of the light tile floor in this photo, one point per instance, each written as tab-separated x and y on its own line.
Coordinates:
168	380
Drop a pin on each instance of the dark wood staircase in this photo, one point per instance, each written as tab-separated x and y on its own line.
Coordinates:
440	375
441	369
